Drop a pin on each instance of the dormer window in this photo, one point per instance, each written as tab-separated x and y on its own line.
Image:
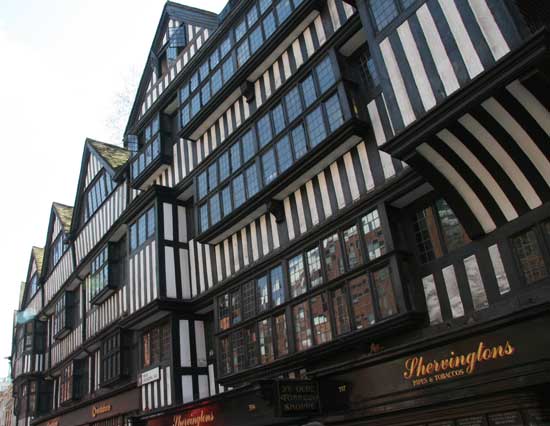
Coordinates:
97	194
58	248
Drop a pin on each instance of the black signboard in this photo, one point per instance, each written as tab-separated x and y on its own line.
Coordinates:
297	398
472	421
511	418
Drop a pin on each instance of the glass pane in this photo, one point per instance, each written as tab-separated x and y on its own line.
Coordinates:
383	11
249	300
293	103
325	74
427	235
283	154
235	156
225	359
361	302
302	326
277	286
238	191
262	294
223	312
308	89
266	341
265	133
226	201
334	113
297	276
278	118
453	233
321	322
374	236
341	311
213	176
252	183
353	247
384	289
299	144
281	334
249	145
237	343
235	307
251	346
334	260
269	166
530	257
313	257
316	127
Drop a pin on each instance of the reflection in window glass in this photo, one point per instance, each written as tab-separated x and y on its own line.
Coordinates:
252	180
243	53
204	217
215	212
223	312
228	68
321	322
249	300
334	113
256	39
283	9
266	341
262	294
361	302
277	288
297	276
226	201
212	176
308	89
264	4
203	185
325	74
383	11
374	236
293	103
352	243
341	311
316	126
453	232
225	358
315	272
249	145
269	166
299	144
281	335
216	81
238	191
224	166
225	47
264	130
235	307
269	25
237	343
235	156
283	154
302	327
240	30
530	257
334	260
251	346
384	289
278	118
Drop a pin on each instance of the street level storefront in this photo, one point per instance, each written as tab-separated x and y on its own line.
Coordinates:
114	411
497	377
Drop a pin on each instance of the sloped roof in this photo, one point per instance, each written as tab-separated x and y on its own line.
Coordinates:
115	156
65	214
38	254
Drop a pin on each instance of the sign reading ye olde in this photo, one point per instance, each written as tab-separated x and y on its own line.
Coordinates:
422	371
297	397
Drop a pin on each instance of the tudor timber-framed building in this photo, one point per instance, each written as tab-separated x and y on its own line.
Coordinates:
324	211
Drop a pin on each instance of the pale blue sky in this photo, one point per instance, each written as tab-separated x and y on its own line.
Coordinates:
64	65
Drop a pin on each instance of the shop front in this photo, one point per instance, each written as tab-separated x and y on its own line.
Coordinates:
114	411
498	376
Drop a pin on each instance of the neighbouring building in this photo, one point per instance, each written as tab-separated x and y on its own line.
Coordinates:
325	212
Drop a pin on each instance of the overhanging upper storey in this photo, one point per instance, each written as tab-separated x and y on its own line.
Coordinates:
180	33
487	147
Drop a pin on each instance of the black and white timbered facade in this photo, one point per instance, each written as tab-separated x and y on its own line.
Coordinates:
332	211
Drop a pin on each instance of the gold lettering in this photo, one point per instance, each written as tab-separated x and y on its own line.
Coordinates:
509	349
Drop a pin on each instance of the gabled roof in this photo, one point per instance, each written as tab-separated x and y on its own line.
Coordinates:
65	215
38	254
115	156
186	14
112	158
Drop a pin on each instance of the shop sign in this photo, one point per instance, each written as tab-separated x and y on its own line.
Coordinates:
297	397
472	421
98	410
149	376
204	416
423	370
